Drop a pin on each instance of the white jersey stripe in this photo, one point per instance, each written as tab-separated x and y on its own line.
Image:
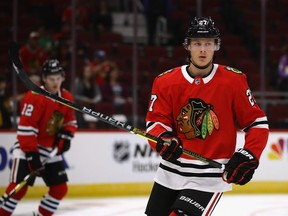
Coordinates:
192	174
158	123
27	128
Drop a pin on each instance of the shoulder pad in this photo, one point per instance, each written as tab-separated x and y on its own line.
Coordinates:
234	70
168	71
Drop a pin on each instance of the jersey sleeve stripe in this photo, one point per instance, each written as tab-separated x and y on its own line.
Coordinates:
27	129
152	125
71	123
258	123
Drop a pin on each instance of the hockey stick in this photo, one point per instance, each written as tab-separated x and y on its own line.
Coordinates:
17	65
27	178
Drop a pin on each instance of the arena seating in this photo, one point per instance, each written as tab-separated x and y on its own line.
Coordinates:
239	48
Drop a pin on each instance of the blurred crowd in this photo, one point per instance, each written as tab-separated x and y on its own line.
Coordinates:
99	81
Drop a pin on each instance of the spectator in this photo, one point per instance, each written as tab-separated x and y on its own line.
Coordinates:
82	16
46	41
114	91
87	92
64	34
282	80
102	17
101	65
35	78
32	55
5	107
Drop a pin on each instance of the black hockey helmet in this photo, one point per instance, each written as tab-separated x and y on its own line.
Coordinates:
52	66
202	27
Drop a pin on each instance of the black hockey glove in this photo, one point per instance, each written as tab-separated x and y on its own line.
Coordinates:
63	141
240	168
34	163
169	146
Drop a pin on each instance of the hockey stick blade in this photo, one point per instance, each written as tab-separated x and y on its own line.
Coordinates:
27	178
17	65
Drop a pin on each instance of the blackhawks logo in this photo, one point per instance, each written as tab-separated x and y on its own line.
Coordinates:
55	123
197	119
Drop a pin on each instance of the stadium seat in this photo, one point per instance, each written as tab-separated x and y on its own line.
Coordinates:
124	50
277	115
110	37
155	52
85	37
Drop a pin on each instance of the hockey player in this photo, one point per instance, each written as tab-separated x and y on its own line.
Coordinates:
197	107
44	124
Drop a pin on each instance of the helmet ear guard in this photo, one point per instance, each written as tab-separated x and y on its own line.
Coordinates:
202	27
218	43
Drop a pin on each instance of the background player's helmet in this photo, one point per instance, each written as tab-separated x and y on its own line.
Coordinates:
52	66
202	27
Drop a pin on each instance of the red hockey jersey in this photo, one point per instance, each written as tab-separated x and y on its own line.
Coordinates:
205	113
41	118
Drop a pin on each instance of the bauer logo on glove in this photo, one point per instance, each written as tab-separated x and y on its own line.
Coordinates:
241	167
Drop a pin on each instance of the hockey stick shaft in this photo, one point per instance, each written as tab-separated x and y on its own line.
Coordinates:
17	65
28	177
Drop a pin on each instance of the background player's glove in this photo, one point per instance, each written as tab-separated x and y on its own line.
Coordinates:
169	146
63	141
34	163
240	168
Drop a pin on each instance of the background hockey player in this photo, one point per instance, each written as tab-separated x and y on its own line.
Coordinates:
198	107
44	124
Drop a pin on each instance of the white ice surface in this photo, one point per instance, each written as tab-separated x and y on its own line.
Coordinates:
229	205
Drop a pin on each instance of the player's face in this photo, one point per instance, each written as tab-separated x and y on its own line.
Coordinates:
53	82
183	119
202	50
